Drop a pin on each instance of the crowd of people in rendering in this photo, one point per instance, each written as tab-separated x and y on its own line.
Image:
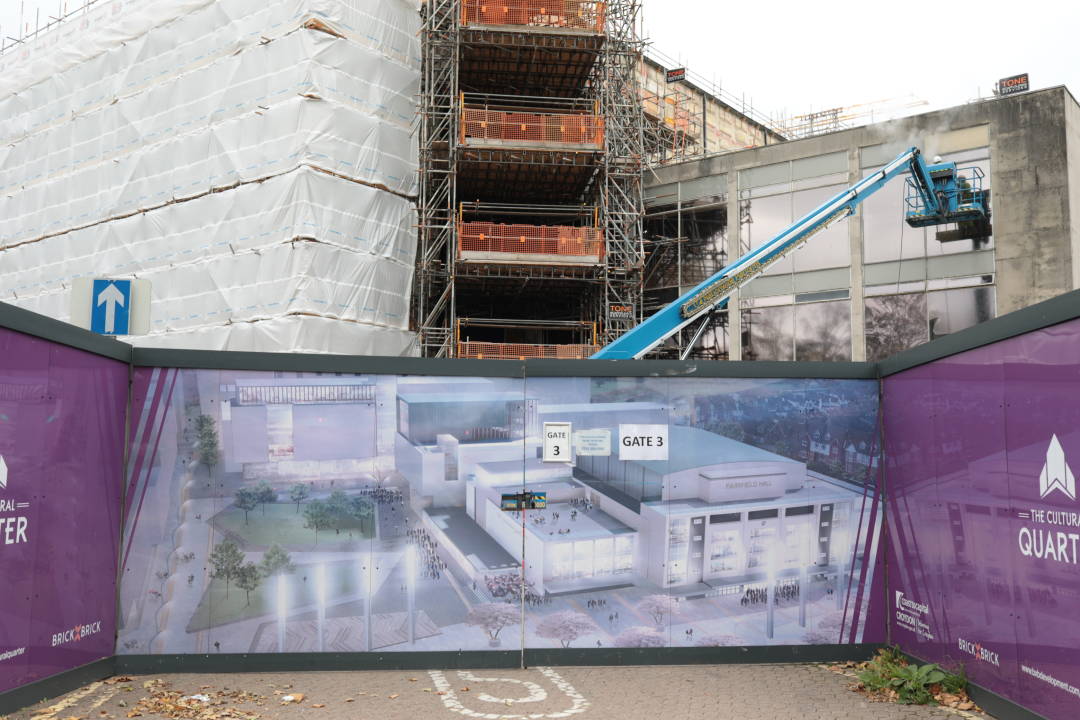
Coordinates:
758	596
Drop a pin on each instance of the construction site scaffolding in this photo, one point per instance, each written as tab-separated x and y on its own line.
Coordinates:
575	120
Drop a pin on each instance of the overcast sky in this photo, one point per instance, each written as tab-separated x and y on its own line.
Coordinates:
794	57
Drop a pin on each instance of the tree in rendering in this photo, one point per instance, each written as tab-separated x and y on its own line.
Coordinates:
816	637
248	578
832	627
226	559
657	606
640	637
247	499
492	618
276	561
265	494
363	511
317	516
299	493
340	510
566	626
208	446
719	641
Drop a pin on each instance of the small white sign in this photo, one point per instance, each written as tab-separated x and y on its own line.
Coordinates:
557	442
643	442
593	442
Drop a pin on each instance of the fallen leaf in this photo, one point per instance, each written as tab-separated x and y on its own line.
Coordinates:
349	700
394	696
412	679
465	689
318	705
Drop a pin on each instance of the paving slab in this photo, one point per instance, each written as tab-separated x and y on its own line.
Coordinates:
717	692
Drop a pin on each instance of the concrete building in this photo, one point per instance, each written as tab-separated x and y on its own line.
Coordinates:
871	286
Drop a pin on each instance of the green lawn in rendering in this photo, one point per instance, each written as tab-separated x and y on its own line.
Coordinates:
216	608
282	524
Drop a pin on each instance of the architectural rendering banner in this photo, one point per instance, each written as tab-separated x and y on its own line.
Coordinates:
293	512
984	519
61	468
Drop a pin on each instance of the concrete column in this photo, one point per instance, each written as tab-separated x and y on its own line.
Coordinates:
733	252
858	335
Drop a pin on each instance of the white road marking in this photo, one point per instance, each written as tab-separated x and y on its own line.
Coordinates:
536	693
52	710
105	697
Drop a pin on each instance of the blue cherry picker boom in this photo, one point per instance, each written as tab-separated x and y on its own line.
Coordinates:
936	194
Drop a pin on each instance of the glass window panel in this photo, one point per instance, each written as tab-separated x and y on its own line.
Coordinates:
765	175
827	249
603	556
885	234
822	295
840	178
713	343
770	333
953	310
583	558
895	288
767	301
819	165
965	156
893	323
778	189
823	331
765	218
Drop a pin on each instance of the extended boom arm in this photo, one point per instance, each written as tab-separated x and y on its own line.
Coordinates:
716	290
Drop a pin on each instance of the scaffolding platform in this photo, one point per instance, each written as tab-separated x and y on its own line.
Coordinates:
529	244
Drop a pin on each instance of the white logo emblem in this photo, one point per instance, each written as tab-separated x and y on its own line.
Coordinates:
3	473
1056	474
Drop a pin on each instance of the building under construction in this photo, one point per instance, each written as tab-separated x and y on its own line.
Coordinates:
538	118
531	152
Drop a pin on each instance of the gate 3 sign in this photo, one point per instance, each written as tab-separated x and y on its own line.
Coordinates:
643	442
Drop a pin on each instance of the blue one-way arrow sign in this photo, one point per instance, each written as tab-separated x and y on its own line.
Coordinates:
110	306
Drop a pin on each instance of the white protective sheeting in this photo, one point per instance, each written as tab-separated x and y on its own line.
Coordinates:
251	158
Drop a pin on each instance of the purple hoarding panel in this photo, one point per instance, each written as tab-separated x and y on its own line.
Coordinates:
983	521
300	512
61	444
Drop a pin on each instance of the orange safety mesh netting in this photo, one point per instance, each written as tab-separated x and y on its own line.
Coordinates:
575	128
520	351
540	239
580	14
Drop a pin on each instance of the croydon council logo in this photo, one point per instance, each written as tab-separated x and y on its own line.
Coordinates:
1054	534
12	523
913	616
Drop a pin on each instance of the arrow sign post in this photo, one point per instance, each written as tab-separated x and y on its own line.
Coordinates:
111	305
